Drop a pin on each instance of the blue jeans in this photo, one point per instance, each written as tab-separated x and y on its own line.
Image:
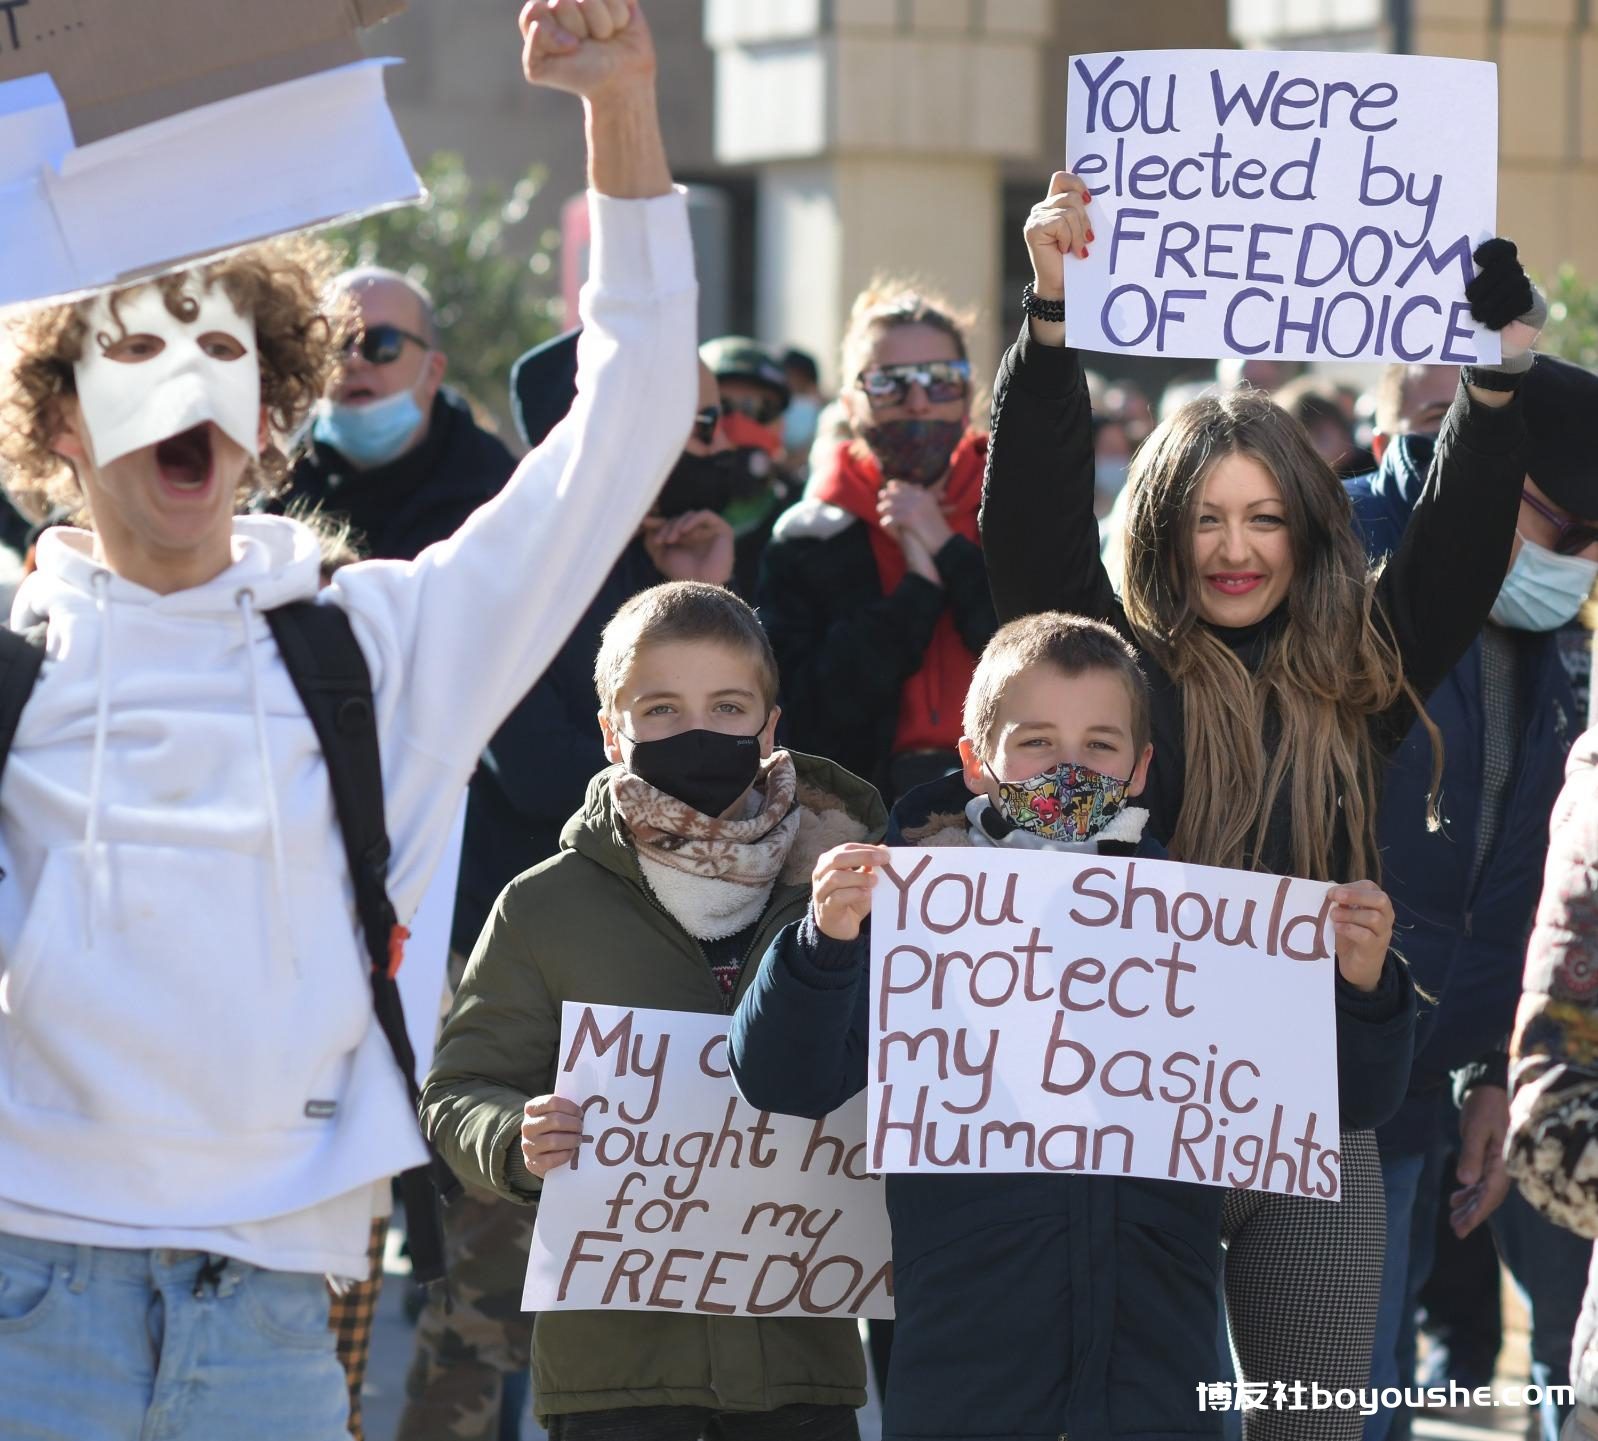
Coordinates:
1548	1266
1406	1263
108	1345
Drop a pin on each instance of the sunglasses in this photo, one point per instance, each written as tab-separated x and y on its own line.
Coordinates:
705	423
762	409
942	380
381	344
1570	536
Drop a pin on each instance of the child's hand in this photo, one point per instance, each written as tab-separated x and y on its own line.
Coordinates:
1362	921
551	1129
841	886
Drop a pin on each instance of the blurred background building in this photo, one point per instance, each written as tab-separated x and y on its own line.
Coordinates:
824	140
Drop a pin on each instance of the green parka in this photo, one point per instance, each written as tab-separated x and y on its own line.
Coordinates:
584	927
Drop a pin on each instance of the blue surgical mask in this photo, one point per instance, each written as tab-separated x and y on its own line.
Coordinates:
372	434
799	424
1543	590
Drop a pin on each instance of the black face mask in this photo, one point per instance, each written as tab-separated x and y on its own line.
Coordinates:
715	482
703	769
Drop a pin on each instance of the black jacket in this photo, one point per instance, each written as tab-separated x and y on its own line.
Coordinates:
844	649
1463	935
535	772
401	508
1039	533
1029	1305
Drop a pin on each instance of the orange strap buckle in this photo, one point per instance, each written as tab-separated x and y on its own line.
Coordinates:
397	937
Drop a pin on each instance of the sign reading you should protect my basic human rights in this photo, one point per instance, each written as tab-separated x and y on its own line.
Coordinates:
1288	205
1099	1015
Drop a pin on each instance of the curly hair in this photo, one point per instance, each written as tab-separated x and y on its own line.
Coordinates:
282	284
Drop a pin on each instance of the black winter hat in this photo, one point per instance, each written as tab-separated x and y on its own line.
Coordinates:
1560	401
543	385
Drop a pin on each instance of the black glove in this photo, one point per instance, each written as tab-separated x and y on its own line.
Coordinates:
1501	294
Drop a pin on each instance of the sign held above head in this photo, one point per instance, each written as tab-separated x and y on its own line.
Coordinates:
1292	206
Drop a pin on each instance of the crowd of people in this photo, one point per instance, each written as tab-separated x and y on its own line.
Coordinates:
289	604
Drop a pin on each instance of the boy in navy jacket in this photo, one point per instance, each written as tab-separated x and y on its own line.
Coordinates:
1028	1305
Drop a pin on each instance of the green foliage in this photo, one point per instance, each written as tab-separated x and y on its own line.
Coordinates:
1572	329
491	276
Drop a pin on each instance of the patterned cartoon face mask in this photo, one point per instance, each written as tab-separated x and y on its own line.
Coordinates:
1064	803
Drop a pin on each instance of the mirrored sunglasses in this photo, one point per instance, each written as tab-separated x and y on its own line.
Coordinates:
942	380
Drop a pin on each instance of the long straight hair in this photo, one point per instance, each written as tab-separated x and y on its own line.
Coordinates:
1327	670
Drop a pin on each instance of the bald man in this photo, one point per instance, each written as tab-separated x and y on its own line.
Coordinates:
393	450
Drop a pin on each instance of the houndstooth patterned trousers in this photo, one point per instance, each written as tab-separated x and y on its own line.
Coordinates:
1303	1279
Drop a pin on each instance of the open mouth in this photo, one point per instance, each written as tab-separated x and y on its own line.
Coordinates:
357	395
1235	583
185	460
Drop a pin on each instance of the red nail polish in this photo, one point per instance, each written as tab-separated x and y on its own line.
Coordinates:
1090	237
1084	253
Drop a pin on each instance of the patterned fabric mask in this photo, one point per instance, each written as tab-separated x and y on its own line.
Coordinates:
1064	803
915	451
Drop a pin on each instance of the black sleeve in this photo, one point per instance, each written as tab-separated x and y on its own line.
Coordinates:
965	581
842	667
1039	533
1375	1045
543	754
1446	573
797	1044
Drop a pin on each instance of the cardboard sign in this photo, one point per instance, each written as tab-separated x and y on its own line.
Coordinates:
1296	206
684	1198
136	138
118	65
1036	1011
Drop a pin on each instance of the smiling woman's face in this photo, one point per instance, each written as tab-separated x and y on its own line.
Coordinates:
1242	549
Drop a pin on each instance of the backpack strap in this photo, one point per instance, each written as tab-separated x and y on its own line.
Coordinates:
21	659
325	662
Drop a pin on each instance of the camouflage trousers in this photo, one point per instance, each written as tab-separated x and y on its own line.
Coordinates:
457	1373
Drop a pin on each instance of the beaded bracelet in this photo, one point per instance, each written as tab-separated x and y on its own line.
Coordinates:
1038	308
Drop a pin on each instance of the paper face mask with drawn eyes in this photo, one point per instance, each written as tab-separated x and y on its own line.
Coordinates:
147	375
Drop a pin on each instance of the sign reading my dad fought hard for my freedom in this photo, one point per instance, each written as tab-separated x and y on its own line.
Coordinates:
1298	206
1094	1014
684	1198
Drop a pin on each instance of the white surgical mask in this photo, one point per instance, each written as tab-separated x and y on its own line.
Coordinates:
128	405
1543	589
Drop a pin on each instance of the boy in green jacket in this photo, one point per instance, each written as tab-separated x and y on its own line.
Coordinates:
692	851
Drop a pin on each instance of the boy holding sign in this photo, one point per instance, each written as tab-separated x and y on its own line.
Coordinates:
692	851
1028	1304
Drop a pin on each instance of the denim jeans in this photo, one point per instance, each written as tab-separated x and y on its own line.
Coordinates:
1548	1266
689	1423
99	1344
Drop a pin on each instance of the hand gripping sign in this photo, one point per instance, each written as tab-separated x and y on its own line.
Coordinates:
1098	1015
684	1198
1293	206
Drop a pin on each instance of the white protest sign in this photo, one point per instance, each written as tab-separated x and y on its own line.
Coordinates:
1296	206
684	1198
1096	1014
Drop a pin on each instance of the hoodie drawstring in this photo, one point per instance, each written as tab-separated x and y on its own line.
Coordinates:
246	603
102	720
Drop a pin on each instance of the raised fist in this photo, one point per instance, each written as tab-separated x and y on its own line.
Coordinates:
586	47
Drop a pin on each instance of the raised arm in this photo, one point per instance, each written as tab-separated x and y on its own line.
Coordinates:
457	637
1442	581
1039	534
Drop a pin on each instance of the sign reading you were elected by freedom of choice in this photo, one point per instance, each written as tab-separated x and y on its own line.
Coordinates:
1095	1014
1290	205
684	1198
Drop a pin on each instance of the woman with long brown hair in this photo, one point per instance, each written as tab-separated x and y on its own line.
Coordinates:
1284	671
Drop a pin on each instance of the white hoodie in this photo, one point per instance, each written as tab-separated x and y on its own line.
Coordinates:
186	1032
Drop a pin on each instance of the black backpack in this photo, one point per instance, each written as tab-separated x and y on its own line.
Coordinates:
325	663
